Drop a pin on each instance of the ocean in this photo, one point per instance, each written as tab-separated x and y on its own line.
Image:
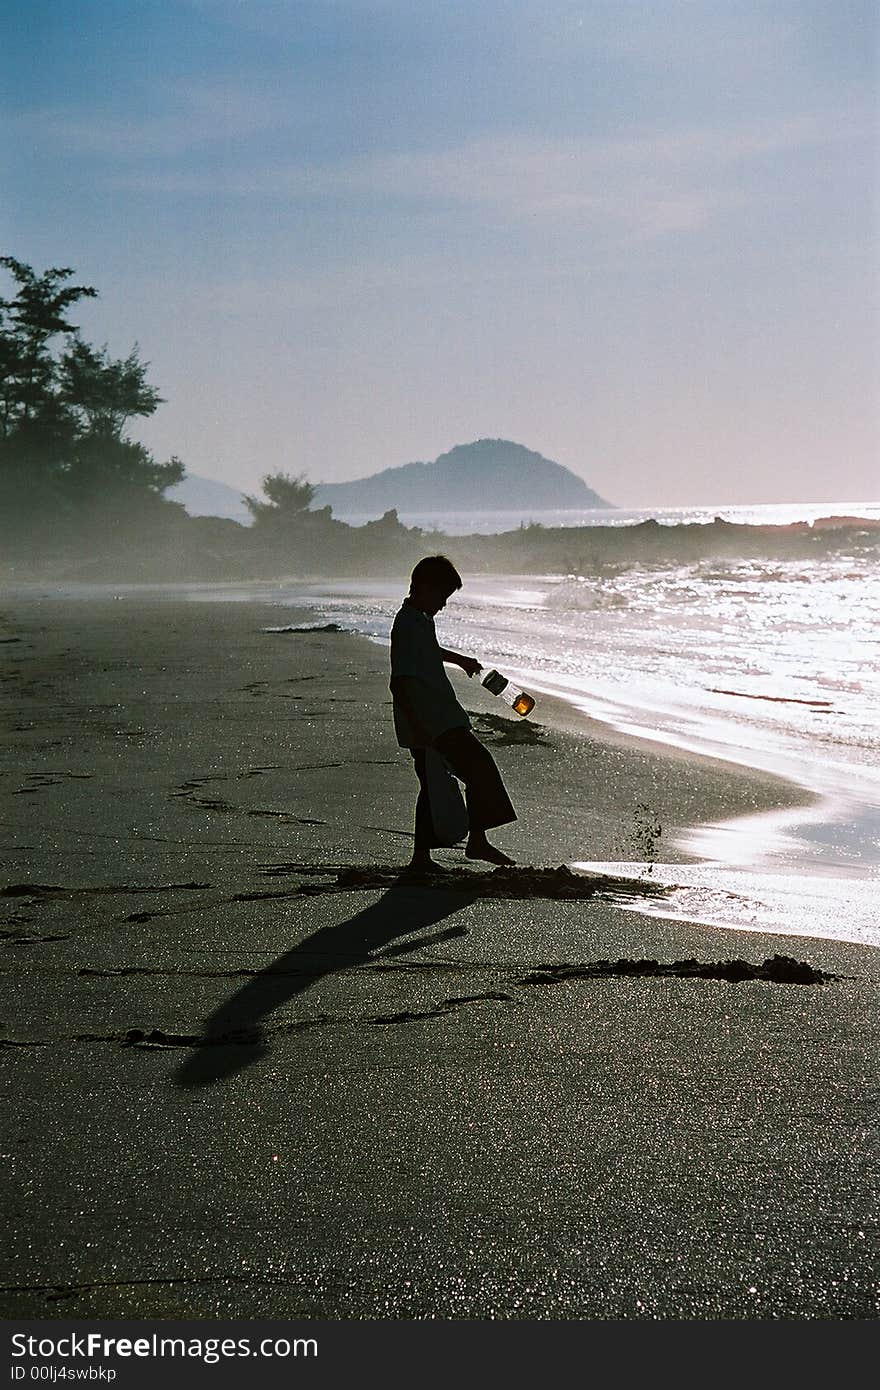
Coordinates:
490	522
775	666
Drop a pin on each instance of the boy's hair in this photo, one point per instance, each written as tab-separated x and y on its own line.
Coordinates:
437	571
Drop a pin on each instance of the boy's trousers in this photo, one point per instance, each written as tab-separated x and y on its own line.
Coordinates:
485	794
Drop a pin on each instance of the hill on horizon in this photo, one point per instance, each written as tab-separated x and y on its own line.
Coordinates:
487	475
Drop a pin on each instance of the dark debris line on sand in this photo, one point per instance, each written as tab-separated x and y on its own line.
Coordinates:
316	627
503	882
782	970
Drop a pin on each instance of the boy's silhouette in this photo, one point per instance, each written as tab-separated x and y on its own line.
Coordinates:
427	715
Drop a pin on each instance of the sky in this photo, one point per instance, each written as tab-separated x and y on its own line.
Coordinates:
639	236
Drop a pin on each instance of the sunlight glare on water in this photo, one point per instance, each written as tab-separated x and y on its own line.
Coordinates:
745	900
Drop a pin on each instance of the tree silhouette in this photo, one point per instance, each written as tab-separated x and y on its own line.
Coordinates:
65	459
103	394
28	323
288	498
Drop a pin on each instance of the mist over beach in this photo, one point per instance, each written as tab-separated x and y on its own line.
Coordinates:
583	300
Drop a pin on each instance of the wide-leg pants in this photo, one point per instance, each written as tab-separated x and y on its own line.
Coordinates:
486	796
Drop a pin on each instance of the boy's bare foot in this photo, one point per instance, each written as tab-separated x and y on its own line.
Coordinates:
425	865
478	847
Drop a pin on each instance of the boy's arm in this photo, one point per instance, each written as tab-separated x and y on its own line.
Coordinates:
469	664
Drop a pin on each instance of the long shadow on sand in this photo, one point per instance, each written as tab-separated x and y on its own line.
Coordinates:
232	1038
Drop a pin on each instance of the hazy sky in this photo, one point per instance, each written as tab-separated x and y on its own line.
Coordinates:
640	236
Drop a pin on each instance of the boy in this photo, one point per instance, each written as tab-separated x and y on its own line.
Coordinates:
427	715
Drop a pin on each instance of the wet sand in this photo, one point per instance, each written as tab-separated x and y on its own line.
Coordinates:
247	1072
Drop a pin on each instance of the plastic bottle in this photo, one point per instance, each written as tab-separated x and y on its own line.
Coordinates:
520	702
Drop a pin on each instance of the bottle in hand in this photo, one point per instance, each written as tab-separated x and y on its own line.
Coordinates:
519	701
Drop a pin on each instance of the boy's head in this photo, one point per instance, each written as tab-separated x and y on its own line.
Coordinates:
432	581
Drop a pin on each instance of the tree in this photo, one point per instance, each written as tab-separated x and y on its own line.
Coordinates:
288	498
28	323
64	408
104	395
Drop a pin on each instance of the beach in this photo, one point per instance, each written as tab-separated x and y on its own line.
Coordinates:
249	1073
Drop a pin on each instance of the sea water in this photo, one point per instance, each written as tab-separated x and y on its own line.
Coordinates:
772	665
486	523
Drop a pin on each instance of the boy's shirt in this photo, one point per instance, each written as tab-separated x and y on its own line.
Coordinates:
415	653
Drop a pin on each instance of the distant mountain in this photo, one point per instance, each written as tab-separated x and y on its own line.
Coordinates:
488	475
206	497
